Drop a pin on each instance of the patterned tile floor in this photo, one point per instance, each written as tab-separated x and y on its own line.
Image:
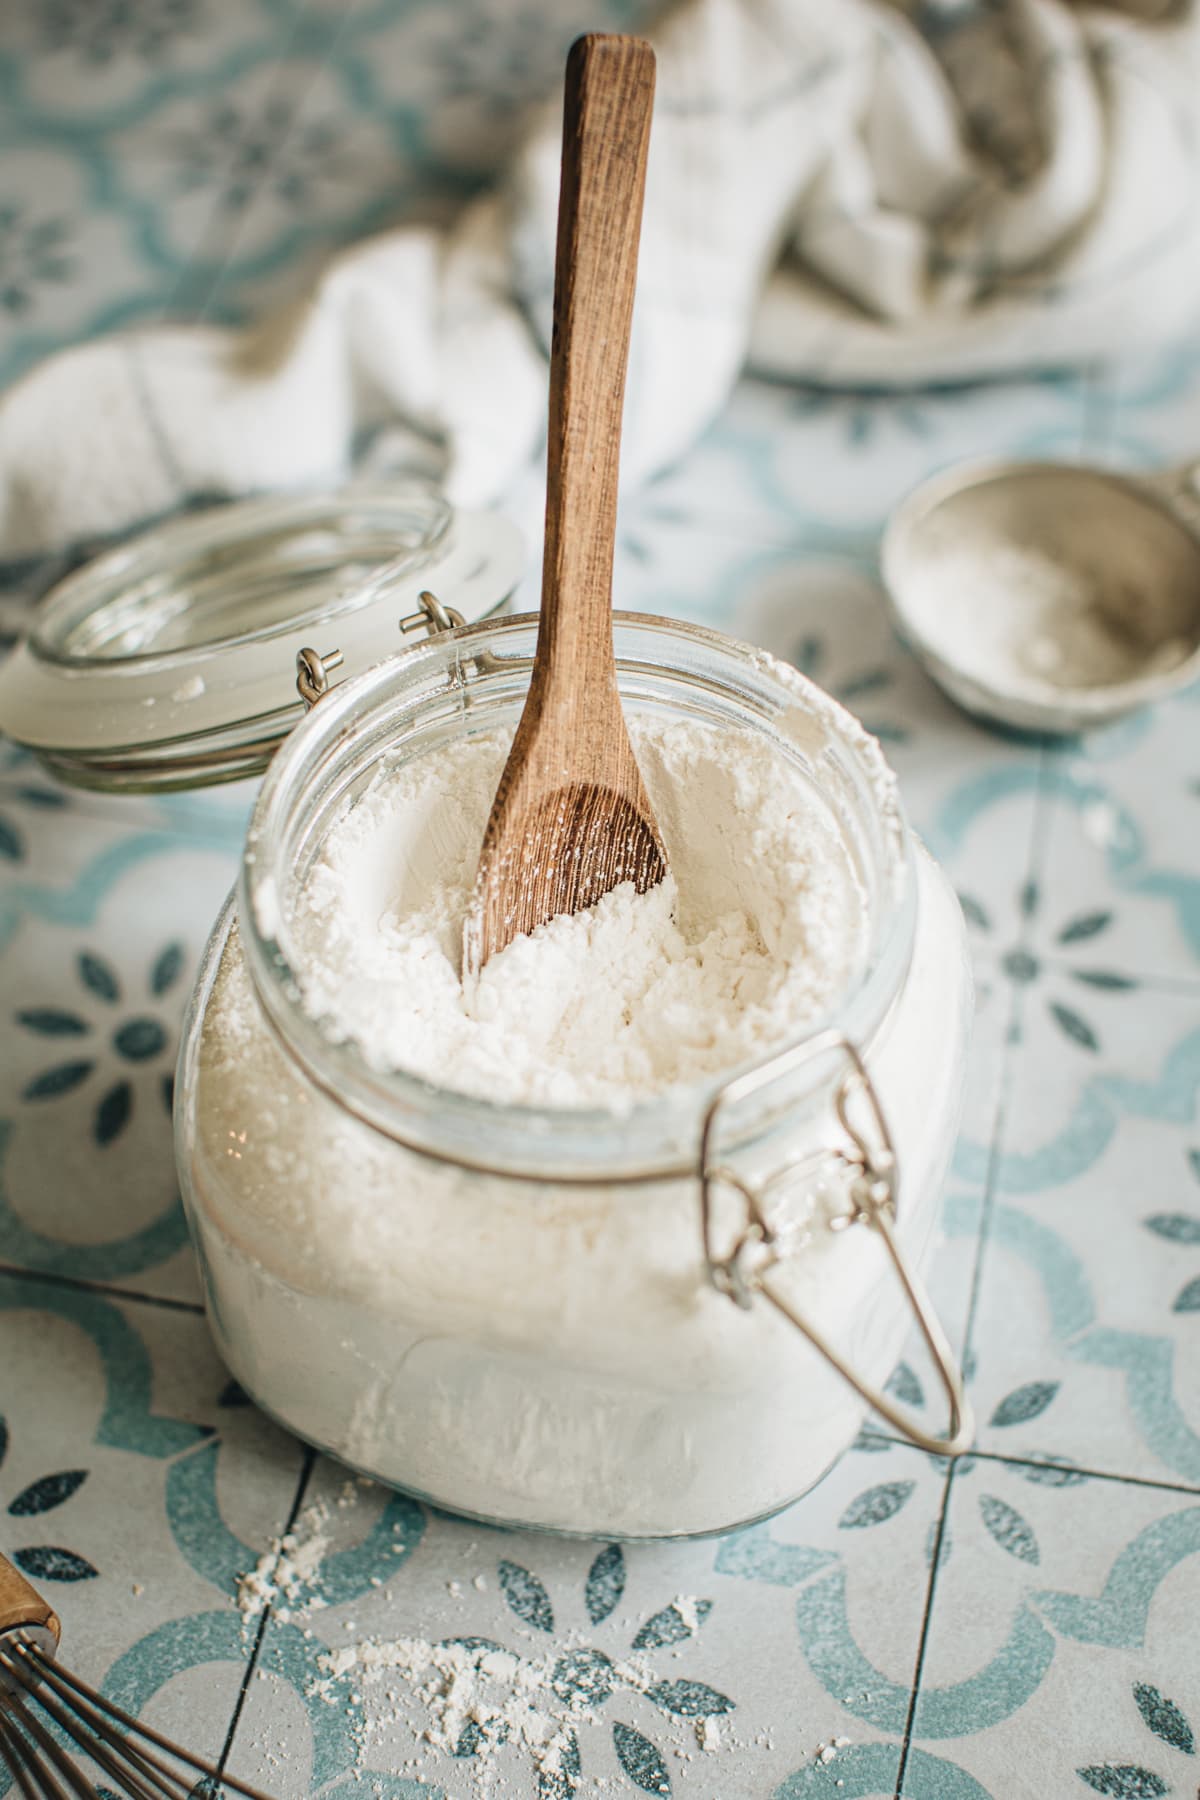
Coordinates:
1022	1625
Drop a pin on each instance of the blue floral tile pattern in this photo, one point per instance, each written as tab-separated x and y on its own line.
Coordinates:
636	1652
1068	959
1069	1630
101	32
135	1039
1016	1626
34	250
46	1562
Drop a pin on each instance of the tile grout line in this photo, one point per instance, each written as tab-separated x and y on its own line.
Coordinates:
105	1290
310	1460
205	270
90	808
194	298
1069	1468
1012	1045
192	294
1139	978
1050	1462
995	1151
234	235
1097	411
1037	839
976	1276
935	1559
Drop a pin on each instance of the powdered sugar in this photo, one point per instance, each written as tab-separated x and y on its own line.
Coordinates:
753	934
1022	617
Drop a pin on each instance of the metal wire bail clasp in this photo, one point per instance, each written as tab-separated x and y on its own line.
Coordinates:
312	674
869	1155
312	669
433	614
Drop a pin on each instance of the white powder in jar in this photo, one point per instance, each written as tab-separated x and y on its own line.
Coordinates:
752	936
531	1350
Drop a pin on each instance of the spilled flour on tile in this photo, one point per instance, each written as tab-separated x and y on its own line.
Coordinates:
285	1571
512	1719
477	1696
288	1571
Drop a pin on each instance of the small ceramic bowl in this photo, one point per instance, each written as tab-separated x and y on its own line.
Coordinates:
1049	597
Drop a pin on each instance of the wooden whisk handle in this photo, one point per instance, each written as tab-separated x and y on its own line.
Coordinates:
22	1605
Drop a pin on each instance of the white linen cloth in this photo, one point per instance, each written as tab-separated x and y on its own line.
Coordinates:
845	191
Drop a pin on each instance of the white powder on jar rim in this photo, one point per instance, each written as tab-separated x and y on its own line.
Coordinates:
758	928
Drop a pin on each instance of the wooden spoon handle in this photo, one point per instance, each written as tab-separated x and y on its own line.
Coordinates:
606	133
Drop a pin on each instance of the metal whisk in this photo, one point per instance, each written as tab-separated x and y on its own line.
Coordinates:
41	1703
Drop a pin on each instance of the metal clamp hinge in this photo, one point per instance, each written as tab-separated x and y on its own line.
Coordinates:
312	673
312	668
433	615
745	1270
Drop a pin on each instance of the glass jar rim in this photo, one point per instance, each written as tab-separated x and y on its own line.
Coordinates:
187	581
654	1139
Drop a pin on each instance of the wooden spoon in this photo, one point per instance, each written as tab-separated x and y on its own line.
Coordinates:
571	818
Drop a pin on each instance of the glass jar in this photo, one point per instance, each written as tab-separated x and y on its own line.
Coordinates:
655	1324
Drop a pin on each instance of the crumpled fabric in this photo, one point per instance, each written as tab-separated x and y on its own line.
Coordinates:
850	193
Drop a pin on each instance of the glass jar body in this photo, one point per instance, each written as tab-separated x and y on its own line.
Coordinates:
529	1334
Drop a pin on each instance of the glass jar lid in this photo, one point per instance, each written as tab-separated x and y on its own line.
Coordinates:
171	661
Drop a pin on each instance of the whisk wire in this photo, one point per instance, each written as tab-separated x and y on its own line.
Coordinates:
143	1764
13	1750
55	1755
78	1694
101	1729
83	1734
